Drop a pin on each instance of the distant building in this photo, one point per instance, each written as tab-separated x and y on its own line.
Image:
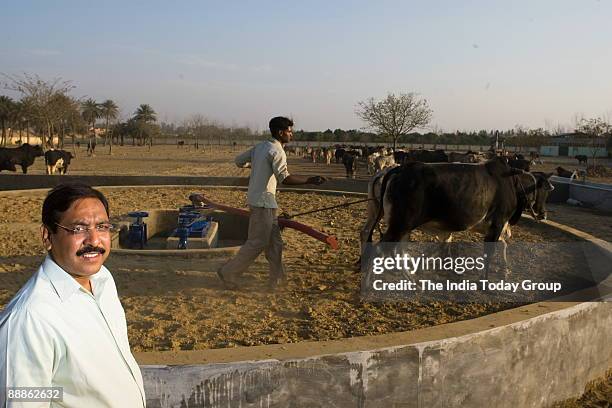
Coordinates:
98	131
15	140
572	144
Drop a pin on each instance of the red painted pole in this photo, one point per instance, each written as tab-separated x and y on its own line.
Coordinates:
283	222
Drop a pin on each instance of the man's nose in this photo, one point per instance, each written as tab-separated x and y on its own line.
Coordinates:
93	237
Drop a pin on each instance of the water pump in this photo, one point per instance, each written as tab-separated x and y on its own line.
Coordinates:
137	232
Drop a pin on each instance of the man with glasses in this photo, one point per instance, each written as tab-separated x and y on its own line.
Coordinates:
65	330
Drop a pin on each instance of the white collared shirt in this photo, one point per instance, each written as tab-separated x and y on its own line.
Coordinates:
268	163
54	333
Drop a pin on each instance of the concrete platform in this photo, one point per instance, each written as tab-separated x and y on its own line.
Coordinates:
207	241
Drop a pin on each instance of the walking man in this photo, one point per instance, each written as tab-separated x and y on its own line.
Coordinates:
268	163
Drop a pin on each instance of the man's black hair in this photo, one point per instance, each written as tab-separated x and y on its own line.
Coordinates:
279	123
61	197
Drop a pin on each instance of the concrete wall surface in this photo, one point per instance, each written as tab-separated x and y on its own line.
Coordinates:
592	195
549	150
16	182
530	363
587	151
598	196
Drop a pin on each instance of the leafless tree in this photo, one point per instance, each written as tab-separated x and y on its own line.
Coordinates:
39	94
395	115
196	124
596	129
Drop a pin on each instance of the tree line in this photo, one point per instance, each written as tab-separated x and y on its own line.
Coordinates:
46	108
395	116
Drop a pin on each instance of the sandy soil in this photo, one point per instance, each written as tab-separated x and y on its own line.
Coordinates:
180	304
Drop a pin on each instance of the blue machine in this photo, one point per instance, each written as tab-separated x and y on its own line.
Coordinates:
137	233
191	223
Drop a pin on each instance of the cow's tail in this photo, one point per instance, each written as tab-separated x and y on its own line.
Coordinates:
383	187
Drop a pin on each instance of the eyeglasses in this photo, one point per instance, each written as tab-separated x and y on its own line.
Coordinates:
82	230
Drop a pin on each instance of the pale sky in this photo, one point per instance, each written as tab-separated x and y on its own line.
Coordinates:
480	64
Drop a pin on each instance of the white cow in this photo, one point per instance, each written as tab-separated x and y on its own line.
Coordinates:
382	162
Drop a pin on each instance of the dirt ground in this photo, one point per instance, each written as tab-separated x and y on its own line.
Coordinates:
180	304
174	304
165	160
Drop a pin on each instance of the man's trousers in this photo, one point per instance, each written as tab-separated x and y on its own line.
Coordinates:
264	235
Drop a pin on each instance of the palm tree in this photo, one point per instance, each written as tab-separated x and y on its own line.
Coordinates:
7	106
109	110
90	110
145	114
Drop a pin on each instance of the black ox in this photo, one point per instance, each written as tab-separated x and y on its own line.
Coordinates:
423	156
349	160
581	158
520	164
23	156
561	172
453	197
339	154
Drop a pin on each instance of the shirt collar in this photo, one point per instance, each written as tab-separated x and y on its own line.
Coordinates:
65	285
273	140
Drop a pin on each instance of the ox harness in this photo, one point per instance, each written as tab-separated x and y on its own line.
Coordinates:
529	202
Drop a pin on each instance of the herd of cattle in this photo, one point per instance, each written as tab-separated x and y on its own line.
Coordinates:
375	158
56	161
444	193
378	158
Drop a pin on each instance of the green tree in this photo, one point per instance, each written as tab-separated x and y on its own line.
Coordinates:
90	111
7	107
395	115
18	116
122	130
38	95
66	106
144	114
109	110
62	114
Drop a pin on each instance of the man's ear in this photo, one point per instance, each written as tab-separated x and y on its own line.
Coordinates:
46	237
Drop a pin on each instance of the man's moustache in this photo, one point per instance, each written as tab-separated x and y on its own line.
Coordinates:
90	248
